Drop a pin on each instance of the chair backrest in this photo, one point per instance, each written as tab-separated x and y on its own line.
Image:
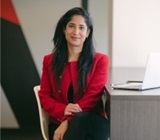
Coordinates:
43	116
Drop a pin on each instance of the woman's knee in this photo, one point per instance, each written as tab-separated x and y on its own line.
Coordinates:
81	116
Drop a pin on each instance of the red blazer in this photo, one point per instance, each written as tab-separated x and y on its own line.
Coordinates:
55	101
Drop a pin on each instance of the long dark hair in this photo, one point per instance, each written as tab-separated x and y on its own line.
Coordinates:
60	51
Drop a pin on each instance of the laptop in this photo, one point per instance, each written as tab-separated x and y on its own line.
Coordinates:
151	77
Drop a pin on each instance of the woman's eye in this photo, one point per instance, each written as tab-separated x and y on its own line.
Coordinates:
81	28
71	26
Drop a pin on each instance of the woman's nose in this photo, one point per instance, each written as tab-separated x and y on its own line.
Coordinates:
76	31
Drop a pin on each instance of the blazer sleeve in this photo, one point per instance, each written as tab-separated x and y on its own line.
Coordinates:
99	77
54	108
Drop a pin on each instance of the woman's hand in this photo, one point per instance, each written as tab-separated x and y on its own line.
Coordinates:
60	131
72	108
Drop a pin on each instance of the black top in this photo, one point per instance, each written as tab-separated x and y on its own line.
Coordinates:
70	93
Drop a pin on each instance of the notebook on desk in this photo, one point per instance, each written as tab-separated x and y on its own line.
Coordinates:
151	77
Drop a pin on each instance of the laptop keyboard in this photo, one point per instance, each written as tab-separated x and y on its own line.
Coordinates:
132	85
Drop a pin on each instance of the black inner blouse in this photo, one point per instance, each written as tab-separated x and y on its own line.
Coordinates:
70	93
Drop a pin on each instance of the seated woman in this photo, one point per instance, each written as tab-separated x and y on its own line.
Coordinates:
72	81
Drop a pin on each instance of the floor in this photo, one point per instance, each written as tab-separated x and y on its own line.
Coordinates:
21	134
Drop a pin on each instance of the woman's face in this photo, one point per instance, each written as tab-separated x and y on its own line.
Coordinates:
76	31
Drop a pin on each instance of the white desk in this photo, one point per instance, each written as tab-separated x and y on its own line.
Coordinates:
135	115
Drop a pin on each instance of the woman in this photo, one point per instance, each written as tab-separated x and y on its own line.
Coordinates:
73	78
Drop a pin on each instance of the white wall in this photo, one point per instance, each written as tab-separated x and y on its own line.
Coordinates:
136	31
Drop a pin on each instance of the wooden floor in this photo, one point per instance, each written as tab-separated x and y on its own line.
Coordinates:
21	134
